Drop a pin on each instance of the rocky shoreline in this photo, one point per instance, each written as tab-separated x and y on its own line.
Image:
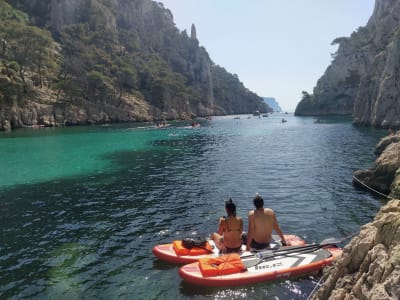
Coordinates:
384	176
370	264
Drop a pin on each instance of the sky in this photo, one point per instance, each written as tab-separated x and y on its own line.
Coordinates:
278	48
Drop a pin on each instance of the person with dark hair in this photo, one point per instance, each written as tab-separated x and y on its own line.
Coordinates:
261	223
228	237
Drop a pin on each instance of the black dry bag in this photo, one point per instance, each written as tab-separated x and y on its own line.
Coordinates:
192	242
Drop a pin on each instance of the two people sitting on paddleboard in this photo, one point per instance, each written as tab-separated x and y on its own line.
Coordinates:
261	223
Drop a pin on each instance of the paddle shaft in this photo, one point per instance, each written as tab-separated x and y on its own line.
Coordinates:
289	250
326	242
257	260
280	251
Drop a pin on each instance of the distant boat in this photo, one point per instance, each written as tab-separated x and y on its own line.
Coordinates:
265	115
284	120
162	125
256	113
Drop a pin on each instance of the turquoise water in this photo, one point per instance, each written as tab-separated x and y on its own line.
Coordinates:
82	207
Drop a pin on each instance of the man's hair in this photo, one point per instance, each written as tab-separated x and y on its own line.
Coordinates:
258	201
230	207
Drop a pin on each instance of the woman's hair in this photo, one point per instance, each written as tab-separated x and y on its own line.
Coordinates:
258	201
230	207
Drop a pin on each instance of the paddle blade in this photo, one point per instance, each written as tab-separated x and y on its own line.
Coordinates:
334	241
258	254
331	241
251	262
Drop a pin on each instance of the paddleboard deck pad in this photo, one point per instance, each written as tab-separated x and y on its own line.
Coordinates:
276	267
167	253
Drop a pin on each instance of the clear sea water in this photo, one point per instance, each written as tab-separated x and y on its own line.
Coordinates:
81	208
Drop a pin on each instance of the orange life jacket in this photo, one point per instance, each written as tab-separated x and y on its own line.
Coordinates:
180	250
222	265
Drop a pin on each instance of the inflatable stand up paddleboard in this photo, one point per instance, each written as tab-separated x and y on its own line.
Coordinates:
236	271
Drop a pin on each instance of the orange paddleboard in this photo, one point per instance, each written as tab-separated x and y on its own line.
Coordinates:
293	263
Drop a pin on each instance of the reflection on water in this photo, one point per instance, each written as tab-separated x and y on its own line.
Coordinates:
82	207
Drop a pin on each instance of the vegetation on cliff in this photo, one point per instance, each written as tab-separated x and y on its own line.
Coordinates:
76	61
26	53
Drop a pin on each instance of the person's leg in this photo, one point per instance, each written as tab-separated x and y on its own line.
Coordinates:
258	246
218	240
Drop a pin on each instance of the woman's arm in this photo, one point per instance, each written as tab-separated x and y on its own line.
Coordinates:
221	225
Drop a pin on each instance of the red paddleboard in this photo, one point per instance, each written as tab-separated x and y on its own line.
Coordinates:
167	253
284	266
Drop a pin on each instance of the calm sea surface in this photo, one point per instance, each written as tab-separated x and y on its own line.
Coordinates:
81	208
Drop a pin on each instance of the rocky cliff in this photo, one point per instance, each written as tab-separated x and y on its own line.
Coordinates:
363	77
384	176
370	264
107	61
272	103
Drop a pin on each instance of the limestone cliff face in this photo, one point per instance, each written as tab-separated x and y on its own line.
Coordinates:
116	61
385	174
63	13
150	18
370	264
363	77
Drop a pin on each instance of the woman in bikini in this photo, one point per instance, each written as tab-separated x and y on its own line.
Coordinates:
228	237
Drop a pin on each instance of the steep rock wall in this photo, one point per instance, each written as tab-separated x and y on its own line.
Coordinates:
117	61
363	78
384	176
146	17
370	264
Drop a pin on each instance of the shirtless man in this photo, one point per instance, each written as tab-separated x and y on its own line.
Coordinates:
261	223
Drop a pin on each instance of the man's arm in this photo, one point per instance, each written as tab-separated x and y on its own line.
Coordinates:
250	231
278	230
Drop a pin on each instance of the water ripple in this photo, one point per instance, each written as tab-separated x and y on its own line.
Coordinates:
90	236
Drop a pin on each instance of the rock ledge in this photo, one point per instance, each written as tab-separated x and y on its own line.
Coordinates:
370	265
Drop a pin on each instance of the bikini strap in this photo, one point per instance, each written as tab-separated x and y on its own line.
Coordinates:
226	222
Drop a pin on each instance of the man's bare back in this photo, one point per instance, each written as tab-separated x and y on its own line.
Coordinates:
262	221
